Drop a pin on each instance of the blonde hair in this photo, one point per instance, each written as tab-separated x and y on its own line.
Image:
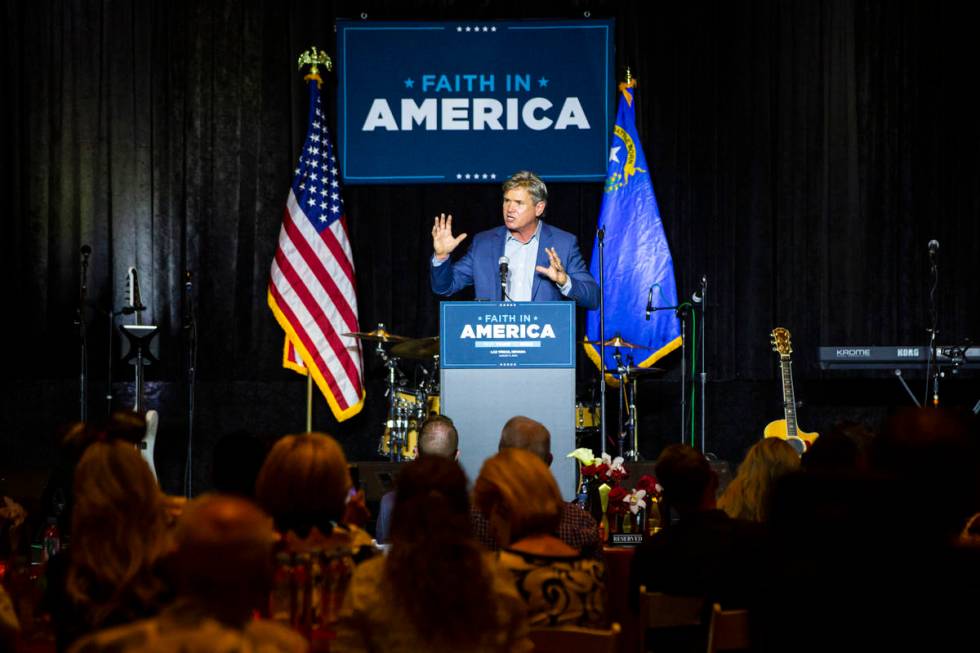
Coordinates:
520	486
303	483
747	496
119	532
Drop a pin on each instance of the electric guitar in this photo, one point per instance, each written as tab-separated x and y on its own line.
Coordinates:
139	336
787	428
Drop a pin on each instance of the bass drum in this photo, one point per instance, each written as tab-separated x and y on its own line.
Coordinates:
586	418
402	430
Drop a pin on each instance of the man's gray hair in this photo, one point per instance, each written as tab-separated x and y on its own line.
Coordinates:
530	182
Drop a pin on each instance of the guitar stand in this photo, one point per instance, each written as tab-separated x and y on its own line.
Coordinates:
139	337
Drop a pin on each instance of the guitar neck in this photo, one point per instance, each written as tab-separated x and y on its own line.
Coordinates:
789	396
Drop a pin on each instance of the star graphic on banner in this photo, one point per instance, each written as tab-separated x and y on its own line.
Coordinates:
543	82
409	83
614	152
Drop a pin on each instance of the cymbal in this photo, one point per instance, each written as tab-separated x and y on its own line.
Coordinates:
616	342
418	348
642	371
378	335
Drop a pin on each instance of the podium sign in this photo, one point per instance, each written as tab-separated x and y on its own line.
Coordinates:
501	359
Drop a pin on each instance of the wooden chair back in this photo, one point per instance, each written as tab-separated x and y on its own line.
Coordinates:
662	611
568	639
729	630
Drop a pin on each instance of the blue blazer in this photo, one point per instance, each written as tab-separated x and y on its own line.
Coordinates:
479	268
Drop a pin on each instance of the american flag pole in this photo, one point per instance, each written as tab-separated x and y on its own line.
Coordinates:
312	289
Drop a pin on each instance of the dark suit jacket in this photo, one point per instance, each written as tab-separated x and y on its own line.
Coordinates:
479	268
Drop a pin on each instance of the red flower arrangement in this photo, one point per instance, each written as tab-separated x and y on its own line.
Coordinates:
617	497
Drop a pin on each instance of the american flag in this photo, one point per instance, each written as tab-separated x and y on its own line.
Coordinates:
312	289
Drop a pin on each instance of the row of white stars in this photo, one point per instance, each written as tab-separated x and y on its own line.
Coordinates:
476	175
478	28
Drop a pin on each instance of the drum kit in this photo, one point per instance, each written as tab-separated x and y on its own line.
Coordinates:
409	404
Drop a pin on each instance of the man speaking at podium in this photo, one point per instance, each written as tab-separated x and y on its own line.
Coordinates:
523	260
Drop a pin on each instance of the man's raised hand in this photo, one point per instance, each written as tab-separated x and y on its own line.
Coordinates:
443	242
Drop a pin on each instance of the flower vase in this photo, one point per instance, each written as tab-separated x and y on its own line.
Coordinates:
652	519
593	503
627	522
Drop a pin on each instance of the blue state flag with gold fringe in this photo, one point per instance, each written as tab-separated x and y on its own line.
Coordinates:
636	256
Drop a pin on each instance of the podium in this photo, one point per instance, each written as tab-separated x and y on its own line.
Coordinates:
501	359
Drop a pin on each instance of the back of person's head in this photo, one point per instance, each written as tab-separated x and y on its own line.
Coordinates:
303	483
435	567
519	487
933	452
119	528
842	450
525	433
747	496
224	553
431	496
235	463
686	477
438	437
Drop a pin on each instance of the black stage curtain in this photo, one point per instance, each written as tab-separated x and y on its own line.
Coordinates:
803	154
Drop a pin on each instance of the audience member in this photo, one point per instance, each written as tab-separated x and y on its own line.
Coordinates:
437	437
119	540
521	499
705	552
223	570
436	590
871	555
305	484
576	527
844	449
747	496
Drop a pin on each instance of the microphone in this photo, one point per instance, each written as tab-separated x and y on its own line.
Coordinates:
698	296
649	303
503	261
86	250
933	247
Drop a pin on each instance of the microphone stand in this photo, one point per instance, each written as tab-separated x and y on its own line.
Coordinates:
681	310
190	326
83	337
932	365
704	375
600	237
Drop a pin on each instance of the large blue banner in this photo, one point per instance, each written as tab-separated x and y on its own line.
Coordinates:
467	102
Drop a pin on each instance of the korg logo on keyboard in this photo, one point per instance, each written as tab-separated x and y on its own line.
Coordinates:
854	353
907	352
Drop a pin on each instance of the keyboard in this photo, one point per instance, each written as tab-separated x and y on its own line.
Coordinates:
848	357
